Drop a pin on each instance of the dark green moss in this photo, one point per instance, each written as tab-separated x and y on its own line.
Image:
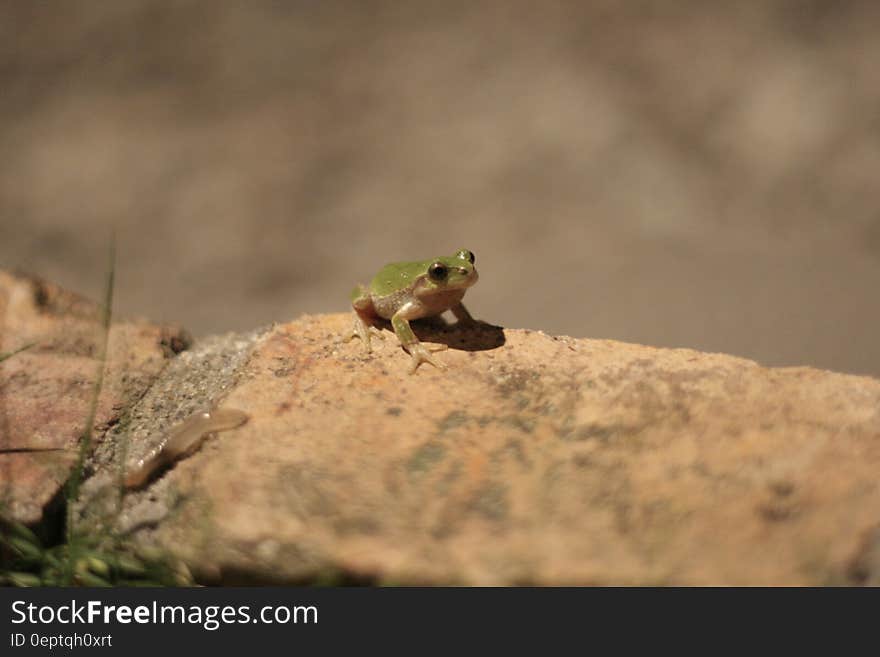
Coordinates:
426	457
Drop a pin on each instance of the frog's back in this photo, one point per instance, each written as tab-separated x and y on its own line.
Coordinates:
396	277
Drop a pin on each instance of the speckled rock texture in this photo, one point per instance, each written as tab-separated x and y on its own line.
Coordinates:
532	459
47	389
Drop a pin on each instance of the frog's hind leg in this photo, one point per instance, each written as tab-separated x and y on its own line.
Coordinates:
462	315
364	317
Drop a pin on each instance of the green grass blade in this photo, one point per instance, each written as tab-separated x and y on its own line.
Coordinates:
10	354
85	447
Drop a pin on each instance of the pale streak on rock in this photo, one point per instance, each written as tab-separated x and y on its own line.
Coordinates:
183	440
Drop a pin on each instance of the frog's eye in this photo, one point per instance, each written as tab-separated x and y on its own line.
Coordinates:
438	271
464	254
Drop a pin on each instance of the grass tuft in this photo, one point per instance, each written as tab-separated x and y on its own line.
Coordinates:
10	354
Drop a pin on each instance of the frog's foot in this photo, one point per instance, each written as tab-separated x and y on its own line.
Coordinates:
364	331
422	354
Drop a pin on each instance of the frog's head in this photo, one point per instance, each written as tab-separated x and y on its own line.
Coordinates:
451	273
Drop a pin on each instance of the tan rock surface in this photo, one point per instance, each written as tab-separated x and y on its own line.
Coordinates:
531	459
46	390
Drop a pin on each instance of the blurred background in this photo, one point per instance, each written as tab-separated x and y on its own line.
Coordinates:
674	173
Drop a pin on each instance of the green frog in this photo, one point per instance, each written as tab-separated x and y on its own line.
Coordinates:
403	291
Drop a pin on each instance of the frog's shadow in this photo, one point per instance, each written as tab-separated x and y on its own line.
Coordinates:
478	336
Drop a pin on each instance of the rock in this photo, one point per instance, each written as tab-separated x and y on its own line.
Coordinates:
46	390
531	460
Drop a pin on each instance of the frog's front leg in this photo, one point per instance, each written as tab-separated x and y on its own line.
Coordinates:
420	354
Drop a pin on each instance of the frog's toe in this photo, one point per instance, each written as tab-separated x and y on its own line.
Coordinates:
422	355
362	332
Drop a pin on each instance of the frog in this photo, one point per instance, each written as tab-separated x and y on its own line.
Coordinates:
404	291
